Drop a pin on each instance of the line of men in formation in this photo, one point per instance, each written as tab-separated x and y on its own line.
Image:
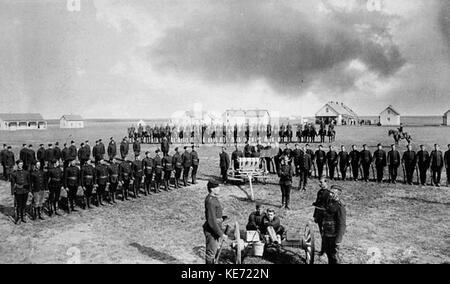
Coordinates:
99	179
359	162
228	134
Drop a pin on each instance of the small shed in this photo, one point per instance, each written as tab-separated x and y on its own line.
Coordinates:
390	116
447	118
71	121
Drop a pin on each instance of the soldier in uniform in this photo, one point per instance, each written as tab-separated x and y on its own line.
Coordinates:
247	150
255	220
125	178
332	161
112	149
344	162
436	165
333	224
71	183
187	163
355	161
102	178
73	151
55	182
393	160
124	148
168	168
40	156
9	161
447	164
136	147
2	160
147	165
31	156
380	160
312	154
321	159
137	175
271	220
296	153
305	166
87	148
87	180
83	154
235	133
195	163
423	163
20	186
113	179
158	166
97	152
224	164
212	227
49	154
409	160
286	173
366	161
235	157
38	187
57	151
177	162
23	156
165	146
65	156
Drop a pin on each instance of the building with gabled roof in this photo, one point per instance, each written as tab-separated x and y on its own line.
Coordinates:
389	116
71	121
447	118
22	121
337	113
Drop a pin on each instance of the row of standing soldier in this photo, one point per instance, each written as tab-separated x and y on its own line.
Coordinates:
85	177
228	134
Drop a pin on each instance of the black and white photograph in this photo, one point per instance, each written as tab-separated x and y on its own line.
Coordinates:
230	132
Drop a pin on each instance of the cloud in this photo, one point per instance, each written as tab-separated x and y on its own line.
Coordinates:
444	20
280	43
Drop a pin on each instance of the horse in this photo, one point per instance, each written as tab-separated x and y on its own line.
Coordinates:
398	137
331	135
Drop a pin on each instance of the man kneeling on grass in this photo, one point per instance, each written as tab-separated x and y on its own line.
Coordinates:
272	228
255	220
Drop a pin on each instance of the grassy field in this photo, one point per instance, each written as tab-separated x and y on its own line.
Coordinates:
385	223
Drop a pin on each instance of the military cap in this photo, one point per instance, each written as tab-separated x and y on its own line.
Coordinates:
193	146
82	144
147	152
65	144
87	141
365	145
212	184
320	146
19	161
258	205
30	145
337	188
379	144
50	145
111	138
99	140
185	147
23	145
71	142
41	145
4	145
157	151
56	143
9	147
176	148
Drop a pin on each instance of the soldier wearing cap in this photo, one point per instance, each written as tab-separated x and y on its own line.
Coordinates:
286	173
23	156
9	162
332	161
31	156
409	159
101	178
97	152
71	183
393	160
136	147
235	157
423	163
255	220
195	163
20	187
380	160
65	156
320	207
436	165
49	154
168	168
125	178
158	166
112	149
366	161
73	152
447	164
124	147
321	159
177	162
187	162
305	166
224	164
55	181
212	228
40	155
137	175
147	165
333	224
355	162
344	162
82	154
2	160
113	176
102	148
57	151
87	180
38	182
165	146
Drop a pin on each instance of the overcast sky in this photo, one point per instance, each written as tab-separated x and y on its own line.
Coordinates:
140	58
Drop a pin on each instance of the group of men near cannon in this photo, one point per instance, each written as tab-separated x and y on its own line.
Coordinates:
231	134
70	173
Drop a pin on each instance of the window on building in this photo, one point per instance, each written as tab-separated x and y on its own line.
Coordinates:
327	110
389	119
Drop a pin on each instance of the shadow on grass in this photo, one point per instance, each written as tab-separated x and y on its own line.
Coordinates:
152	253
424	200
262	202
8	211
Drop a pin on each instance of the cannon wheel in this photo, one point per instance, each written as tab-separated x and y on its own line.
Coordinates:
309	248
237	238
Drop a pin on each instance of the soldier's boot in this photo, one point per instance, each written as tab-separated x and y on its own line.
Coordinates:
88	202
145	189
287	203
283	201
39	214
99	196
113	197
22	217
55	208
184	181
17	218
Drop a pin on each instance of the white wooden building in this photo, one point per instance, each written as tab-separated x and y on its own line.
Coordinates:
447	118
22	121
336	112
390	116
71	121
